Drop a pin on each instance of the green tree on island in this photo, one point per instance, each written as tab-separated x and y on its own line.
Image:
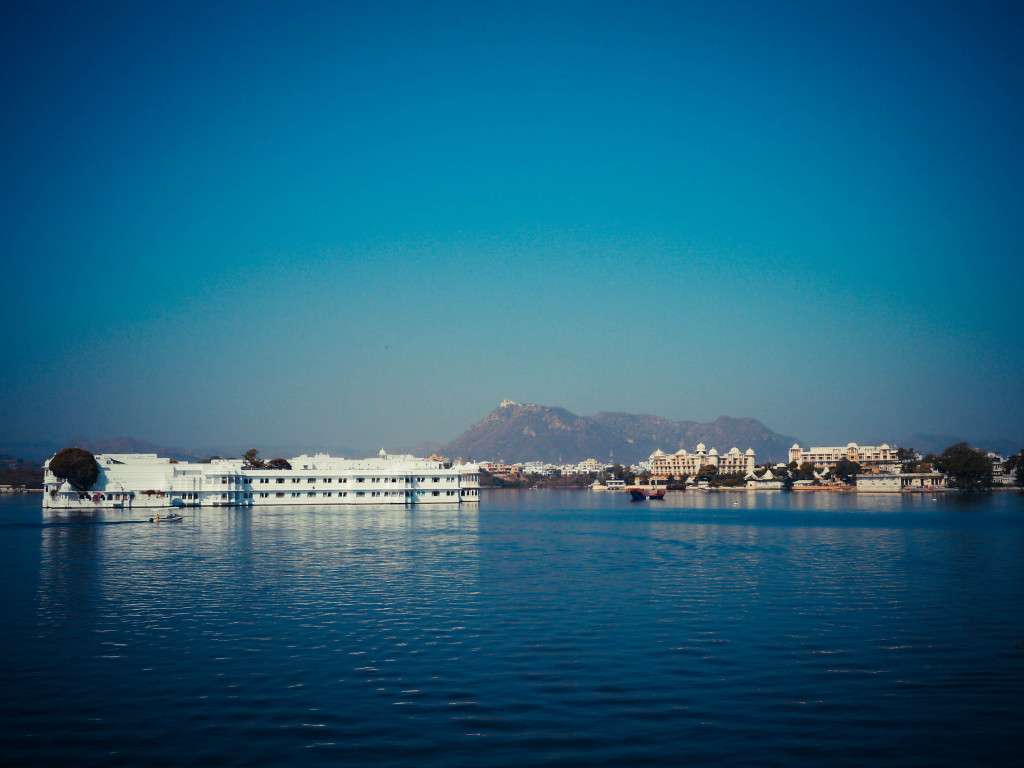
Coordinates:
804	472
707	472
729	480
907	458
619	472
846	470
77	466
1015	464
965	466
278	464
252	460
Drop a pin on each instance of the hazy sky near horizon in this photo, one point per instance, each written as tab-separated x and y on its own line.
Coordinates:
367	223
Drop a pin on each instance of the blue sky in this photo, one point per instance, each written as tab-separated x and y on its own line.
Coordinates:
361	224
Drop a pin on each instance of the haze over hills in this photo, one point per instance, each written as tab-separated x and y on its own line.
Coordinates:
924	444
522	432
39	451
42	450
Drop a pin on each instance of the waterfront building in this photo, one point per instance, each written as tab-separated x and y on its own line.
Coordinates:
146	480
868	456
683	463
766	482
611	484
537	468
906	481
504	470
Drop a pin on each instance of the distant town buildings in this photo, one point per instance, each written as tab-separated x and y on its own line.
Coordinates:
585	467
683	463
881	470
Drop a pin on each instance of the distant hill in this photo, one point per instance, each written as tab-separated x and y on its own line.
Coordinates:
134	445
42	450
652	432
522	432
39	451
518	432
35	451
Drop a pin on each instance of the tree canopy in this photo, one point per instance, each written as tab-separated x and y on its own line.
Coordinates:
252	460
965	466
278	464
624	473
76	465
804	472
707	472
1015	464
846	470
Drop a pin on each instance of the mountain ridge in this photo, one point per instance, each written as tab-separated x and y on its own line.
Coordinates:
524	432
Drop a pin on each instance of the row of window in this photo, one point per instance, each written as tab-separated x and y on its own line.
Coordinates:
328	480
341	494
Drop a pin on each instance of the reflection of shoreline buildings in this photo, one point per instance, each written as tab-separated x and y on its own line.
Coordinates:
868	456
683	463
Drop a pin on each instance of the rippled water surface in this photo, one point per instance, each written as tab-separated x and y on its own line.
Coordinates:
563	628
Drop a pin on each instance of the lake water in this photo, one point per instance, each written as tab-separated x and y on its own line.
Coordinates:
544	628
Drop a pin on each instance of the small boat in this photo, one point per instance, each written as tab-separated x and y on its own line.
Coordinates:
173	517
637	494
659	494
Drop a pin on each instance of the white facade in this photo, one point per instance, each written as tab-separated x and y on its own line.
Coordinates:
879	483
146	480
766	482
611	484
682	463
826	457
907	481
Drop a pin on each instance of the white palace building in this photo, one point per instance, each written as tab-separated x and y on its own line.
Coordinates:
682	463
128	480
828	457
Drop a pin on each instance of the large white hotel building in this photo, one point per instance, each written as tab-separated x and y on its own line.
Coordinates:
827	457
683	463
147	480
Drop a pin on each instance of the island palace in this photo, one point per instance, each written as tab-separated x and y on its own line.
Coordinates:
128	480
